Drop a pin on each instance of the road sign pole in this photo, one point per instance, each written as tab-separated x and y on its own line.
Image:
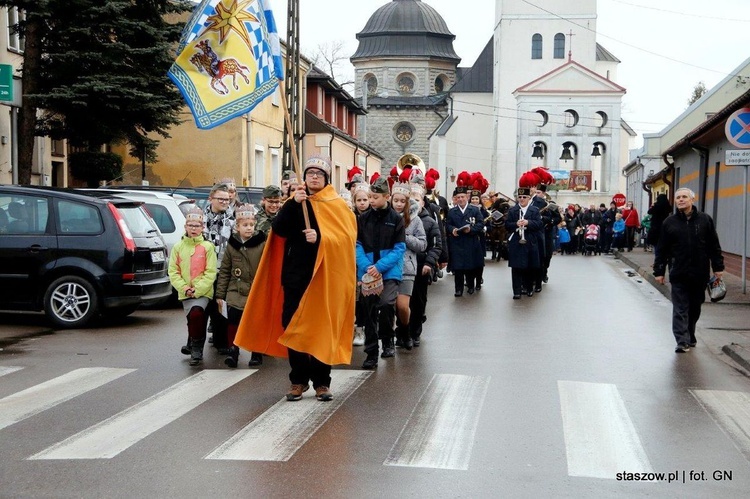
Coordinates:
744	229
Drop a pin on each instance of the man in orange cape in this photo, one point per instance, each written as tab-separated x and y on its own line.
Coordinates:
301	304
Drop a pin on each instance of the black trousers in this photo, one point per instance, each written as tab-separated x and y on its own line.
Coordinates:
380	313
304	366
307	368
522	278
687	299
418	304
470	277
218	323
630	235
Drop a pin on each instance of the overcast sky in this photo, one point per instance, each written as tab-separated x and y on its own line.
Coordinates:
666	47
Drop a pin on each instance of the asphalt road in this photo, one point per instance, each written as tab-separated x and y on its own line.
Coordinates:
548	396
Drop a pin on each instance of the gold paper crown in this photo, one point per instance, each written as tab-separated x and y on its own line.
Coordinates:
401	188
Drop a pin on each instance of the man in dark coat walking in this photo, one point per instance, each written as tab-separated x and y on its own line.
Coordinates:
524	223
689	244
463	226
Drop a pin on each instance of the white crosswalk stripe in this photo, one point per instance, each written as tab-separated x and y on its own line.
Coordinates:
280	431
9	369
600	438
731	411
26	403
440	430
113	435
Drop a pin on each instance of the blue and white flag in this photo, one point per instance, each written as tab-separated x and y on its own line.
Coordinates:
229	59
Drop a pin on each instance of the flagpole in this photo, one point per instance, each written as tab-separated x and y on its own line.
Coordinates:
293	152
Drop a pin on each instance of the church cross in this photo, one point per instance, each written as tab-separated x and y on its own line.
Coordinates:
570	47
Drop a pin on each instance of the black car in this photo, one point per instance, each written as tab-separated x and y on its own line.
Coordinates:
77	256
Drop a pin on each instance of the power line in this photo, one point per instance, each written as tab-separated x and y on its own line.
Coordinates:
686	14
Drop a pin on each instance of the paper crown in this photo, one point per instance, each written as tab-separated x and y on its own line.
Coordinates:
244	211
417	190
361	188
228	181
194	214
401	188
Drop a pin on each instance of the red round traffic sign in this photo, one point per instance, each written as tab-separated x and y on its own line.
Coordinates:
619	200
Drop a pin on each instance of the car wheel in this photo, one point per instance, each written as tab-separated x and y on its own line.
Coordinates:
70	302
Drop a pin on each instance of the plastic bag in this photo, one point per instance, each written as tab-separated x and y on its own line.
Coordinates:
717	290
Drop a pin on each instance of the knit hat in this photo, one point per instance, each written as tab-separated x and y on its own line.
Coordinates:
272	191
321	163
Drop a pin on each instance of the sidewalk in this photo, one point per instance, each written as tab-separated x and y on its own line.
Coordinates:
723	326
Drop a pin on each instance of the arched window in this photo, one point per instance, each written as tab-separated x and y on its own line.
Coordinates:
559	46
536	46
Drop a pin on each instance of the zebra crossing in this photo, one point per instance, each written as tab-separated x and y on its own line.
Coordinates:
600	437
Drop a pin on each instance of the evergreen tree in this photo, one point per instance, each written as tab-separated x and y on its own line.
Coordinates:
100	75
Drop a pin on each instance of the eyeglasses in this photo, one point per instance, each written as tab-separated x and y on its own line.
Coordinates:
194	226
314	174
268	201
221	200
524	197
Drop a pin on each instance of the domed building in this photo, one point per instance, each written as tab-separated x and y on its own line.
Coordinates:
404	66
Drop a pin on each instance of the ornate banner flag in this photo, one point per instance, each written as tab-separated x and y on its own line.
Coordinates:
229	59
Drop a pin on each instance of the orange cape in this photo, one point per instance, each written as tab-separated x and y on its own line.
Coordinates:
323	324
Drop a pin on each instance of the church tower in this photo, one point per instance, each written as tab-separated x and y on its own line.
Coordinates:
554	94
404	65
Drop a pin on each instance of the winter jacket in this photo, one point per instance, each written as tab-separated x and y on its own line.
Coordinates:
416	241
238	269
659	212
192	263
217	229
690	246
619	226
431	255
381	237
631	217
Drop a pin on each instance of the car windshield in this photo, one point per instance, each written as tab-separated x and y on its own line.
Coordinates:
139	223
161	216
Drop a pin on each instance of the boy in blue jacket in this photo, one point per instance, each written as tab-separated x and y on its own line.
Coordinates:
381	243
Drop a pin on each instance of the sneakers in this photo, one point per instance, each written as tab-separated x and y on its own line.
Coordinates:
323	394
359	336
296	391
682	348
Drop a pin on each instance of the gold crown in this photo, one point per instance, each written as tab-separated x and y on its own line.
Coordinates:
245	211
194	214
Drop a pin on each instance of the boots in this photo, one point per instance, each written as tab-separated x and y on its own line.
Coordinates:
185	349
403	337
388	350
234	355
196	351
256	359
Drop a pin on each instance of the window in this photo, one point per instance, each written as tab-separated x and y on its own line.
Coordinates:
405	83
559	46
15	40
536	46
371	82
601	119
571	118
404	132
78	218
439	84
161	216
543	118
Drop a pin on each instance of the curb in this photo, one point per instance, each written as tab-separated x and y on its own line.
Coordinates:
738	353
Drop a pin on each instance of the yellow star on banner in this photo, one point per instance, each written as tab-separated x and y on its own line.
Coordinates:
230	19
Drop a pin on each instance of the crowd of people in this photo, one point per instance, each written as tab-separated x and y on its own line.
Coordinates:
311	272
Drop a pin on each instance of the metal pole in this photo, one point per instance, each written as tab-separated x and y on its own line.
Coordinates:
744	231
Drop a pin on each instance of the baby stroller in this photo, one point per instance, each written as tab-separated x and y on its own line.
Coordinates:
591	240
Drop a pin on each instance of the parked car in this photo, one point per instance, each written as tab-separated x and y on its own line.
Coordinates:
198	194
76	256
167	210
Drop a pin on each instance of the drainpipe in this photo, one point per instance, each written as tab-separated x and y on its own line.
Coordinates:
703	153
670	165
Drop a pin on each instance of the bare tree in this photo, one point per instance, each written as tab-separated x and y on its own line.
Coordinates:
332	58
